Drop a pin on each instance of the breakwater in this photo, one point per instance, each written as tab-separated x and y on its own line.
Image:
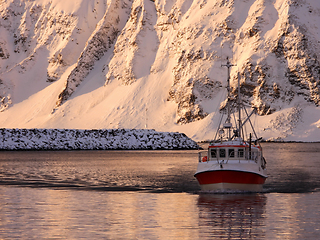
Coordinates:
101	139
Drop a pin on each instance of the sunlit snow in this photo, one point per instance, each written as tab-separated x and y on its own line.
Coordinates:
108	64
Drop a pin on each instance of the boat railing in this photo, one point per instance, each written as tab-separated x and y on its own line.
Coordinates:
252	156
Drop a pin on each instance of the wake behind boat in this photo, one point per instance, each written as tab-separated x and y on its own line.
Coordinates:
232	163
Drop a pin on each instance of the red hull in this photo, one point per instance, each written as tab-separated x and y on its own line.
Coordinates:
229	176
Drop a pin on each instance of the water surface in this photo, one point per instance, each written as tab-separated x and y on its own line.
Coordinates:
153	195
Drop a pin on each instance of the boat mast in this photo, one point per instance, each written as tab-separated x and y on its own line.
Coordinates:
239	107
228	121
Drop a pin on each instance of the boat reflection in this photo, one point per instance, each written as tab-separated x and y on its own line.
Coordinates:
232	216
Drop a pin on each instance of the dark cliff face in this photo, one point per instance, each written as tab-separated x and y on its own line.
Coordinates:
274	46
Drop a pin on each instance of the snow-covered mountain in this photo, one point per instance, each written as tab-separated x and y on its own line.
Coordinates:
157	64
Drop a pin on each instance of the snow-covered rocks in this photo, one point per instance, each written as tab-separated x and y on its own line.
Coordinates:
72	139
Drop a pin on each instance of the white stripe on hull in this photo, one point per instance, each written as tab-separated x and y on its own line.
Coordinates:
232	187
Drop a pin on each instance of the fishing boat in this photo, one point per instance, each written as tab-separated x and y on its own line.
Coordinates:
234	160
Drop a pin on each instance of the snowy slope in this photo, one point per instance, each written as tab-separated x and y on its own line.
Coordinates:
97	64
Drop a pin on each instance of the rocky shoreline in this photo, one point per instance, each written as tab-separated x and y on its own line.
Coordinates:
102	139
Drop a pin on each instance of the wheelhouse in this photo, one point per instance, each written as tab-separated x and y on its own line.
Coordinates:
233	153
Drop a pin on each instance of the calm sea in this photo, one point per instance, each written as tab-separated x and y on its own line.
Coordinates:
153	195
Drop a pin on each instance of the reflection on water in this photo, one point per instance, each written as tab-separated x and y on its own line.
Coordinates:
234	216
32	213
293	216
38	213
153	195
35	213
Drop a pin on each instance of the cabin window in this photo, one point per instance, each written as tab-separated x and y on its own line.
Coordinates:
213	153
231	152
241	152
222	152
